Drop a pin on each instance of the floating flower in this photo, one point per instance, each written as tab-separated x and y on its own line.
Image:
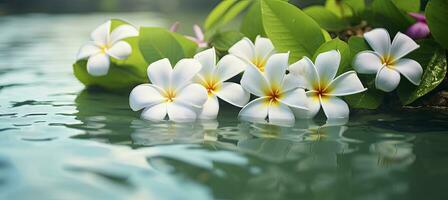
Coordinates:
419	29
257	54
323	88
106	44
277	92
212	77
171	92
386	60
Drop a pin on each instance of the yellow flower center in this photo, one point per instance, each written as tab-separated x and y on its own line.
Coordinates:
259	63
170	95
274	95
211	85
387	61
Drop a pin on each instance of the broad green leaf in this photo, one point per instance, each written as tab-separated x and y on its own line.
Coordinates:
158	43
325	18
339	8
290	29
408	5
357	6
342	47
189	47
252	24
437	17
357	44
327	36
433	61
235	10
386	14
217	13
224	40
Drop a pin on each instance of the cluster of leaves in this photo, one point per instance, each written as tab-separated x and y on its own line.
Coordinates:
339	24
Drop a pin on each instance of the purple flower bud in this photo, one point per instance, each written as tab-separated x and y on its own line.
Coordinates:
420	29
419	17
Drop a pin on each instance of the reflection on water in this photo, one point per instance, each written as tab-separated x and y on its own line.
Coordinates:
60	141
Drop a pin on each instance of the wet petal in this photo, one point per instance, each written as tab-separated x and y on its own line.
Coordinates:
387	79
210	108
296	98
346	84
280	113
402	45
193	95
101	34
228	67
244	49
184	71
180	112
144	95
313	105
155	113
304	70
327	65
87	50
98	65
234	94
122	32
367	62
254	81
410	69
379	40
334	107
159	73
256	109
275	68
263	47
291	82
207	58
120	50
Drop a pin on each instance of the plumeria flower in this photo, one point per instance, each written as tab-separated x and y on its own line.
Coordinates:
199	37
105	44
171	92
212	77
386	60
277	92
419	29
323	88
256	54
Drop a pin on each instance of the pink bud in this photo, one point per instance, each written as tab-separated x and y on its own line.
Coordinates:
418	30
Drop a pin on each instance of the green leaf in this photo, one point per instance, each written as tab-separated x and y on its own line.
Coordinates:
408	5
224	40
217	13
158	43
357	6
339	8
433	60
188	46
437	17
325	18
234	11
290	29
357	44
336	44
386	14
252	24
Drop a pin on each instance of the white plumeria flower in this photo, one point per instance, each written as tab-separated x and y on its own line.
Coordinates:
171	92
212	77
323	88
105	44
277	92
386	60
256	54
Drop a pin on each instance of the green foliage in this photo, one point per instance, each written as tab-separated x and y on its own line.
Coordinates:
252	24
386	14
342	47
437	17
290	29
325	18
339	8
224	40
408	5
433	60
217	13
158	43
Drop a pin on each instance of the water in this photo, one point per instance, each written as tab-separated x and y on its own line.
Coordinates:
59	141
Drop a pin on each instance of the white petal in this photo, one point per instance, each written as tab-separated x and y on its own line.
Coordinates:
387	79
155	113
367	62
144	95
296	98
313	103
402	45
275	68
280	113
101	34
263	47
304	70
234	94
254	81
291	82
379	40
87	50
244	49
210	108
120	50
159	73
207	58
228	67
193	95
98	65
327	65
198	32
256	109
334	107
184	71
410	69
180	112
346	84
122	32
